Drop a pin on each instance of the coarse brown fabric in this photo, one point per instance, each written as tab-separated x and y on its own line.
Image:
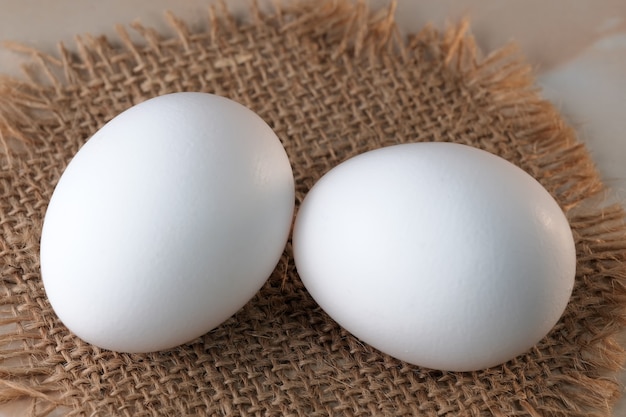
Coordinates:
333	80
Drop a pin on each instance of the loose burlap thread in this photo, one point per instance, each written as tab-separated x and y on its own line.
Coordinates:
333	80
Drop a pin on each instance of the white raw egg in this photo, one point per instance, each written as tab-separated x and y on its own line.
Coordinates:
166	222
439	254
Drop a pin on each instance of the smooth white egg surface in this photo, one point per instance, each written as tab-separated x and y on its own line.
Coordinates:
166	222
439	254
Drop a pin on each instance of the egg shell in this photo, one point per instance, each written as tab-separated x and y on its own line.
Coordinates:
166	222
439	254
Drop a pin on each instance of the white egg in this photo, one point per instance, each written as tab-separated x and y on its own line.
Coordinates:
439	254
166	222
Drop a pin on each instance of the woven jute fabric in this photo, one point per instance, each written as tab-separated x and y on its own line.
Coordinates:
333	80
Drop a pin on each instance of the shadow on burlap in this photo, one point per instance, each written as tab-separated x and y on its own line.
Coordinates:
333	80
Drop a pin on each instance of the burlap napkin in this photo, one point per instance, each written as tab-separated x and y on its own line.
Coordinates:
333	80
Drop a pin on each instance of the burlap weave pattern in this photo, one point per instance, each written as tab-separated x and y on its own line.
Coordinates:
333	80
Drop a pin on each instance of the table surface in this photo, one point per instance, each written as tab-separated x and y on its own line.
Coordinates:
577	48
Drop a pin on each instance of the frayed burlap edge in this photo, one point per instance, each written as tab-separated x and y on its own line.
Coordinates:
500	82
